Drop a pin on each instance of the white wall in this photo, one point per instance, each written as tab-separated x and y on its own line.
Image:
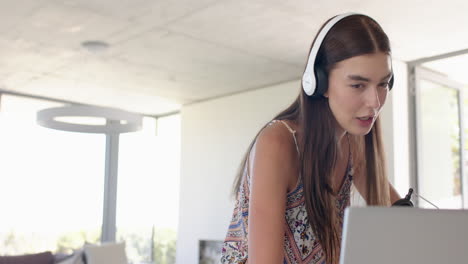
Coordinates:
215	135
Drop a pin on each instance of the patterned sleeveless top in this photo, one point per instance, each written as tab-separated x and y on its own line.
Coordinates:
301	246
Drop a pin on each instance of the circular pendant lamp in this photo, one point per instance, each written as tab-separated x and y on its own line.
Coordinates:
124	121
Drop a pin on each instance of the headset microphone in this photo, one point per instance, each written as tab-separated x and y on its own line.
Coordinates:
407	200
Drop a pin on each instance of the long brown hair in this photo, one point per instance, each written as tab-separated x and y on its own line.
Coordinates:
352	36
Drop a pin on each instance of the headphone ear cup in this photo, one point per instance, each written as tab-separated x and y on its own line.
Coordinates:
390	83
322	81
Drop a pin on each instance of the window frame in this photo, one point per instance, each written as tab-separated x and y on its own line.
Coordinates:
417	73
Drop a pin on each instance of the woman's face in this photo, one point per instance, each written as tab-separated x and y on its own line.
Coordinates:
357	89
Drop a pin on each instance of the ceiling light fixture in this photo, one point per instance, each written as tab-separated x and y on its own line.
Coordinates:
123	121
95	46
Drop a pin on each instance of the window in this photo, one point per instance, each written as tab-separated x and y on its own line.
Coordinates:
51	182
440	133
147	203
52	185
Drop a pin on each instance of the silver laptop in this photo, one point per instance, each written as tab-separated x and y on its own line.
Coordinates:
404	235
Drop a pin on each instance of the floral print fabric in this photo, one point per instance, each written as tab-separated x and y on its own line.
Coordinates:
301	246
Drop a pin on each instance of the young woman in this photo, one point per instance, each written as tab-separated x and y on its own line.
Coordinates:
294	182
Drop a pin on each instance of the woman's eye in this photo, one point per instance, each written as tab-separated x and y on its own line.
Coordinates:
384	85
357	86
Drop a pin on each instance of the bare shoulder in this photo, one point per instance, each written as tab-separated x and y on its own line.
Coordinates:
274	155
278	140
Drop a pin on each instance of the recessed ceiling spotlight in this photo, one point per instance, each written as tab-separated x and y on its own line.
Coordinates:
95	45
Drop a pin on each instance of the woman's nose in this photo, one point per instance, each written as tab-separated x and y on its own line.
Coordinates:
373	97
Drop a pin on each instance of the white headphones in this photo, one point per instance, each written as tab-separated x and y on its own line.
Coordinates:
309	80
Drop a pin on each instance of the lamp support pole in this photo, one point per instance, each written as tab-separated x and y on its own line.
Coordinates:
117	122
110	187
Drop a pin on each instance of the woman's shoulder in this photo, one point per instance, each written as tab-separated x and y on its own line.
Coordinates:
276	142
274	158
278	134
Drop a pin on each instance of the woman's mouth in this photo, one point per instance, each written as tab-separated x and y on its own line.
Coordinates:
365	121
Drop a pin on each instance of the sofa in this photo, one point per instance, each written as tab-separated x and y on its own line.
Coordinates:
89	254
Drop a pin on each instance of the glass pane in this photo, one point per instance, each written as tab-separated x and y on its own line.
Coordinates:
51	182
148	192
465	135
439	175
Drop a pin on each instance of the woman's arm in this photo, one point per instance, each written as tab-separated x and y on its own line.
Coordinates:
270	165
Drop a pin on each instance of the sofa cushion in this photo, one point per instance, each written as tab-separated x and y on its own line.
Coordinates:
106	253
39	258
76	258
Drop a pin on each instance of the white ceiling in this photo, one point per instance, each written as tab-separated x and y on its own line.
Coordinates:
164	54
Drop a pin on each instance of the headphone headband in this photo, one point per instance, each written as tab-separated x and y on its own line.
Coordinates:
309	80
